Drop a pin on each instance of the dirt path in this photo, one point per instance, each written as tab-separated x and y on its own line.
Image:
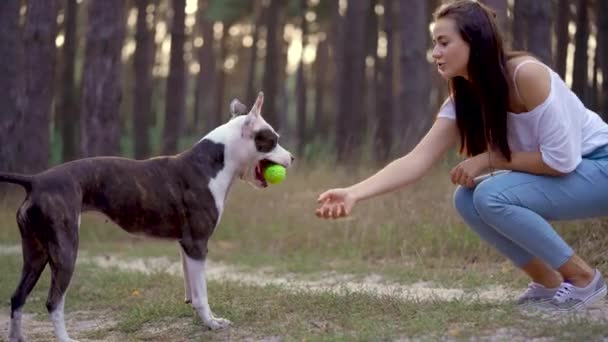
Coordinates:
80	323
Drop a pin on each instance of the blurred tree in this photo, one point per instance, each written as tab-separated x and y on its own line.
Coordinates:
228	12
101	83
602	52
39	34
581	37
326	68
413	120
539	21
500	7
532	23
205	79
143	61
372	34
270	83
562	37
384	88
67	106
520	8
350	132
301	87
252	86
10	69
175	100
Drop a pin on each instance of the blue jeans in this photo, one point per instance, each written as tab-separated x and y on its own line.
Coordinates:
511	210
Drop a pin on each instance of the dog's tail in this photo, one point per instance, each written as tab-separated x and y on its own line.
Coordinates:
23	180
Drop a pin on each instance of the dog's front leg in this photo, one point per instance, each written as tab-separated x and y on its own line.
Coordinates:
188	292
195	269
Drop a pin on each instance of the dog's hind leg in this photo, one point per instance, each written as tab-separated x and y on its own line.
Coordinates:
35	259
195	269
63	249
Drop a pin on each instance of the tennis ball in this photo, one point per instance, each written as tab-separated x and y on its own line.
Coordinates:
275	173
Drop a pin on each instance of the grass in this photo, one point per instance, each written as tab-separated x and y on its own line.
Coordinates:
151	307
406	237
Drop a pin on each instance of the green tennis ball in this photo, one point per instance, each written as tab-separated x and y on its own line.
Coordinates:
275	173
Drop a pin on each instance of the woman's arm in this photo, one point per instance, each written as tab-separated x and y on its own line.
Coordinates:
410	168
534	84
530	162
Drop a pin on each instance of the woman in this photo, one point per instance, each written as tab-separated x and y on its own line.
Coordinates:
510	112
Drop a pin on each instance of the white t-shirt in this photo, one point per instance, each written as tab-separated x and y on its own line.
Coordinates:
561	127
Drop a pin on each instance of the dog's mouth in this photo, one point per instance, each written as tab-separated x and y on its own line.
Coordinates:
259	172
255	174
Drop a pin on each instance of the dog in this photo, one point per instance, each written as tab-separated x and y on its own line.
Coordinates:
178	197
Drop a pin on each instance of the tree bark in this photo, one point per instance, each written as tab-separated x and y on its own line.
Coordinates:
384	92
563	38
415	71
39	34
350	131
540	18
10	84
143	61
579	76
101	83
301	88
270	80
176	81
67	109
602	50
205	79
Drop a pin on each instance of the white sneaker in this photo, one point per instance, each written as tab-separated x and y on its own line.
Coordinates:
536	293
570	297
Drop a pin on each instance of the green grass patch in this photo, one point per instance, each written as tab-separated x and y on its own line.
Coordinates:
152	305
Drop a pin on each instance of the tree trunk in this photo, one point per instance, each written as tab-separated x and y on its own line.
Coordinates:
301	98
205	79
220	80
500	7
579	76
520	25
563	38
320	126
602	50
143	60
539	19
10	84
415	71
67	108
350	130
384	89
101	83
270	81
253	56
39	34
176	81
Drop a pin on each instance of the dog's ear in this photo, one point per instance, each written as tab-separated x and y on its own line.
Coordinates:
237	108
257	106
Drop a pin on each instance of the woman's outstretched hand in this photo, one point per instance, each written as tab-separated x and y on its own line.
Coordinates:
335	203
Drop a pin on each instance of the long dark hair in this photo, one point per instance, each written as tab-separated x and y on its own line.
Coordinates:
482	100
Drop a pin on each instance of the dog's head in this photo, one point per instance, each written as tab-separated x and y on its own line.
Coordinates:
255	144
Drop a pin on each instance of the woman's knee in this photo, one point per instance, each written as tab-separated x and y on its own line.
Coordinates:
488	199
463	201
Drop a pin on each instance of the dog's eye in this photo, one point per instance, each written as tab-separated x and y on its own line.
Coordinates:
265	140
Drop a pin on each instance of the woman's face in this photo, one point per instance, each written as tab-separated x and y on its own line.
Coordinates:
451	52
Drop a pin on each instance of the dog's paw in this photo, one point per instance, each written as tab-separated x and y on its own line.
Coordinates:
217	323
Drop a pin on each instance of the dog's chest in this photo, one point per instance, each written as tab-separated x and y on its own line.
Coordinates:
219	187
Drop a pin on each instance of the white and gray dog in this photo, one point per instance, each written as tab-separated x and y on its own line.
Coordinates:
179	197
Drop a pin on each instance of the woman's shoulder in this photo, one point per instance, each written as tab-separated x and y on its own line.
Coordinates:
525	65
531	79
